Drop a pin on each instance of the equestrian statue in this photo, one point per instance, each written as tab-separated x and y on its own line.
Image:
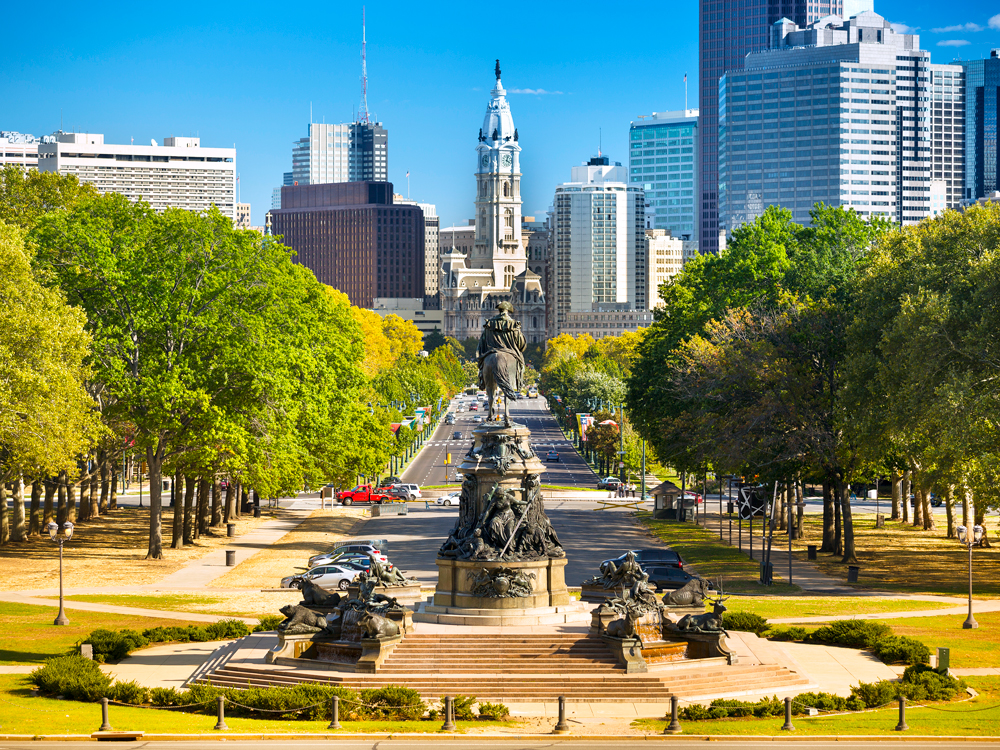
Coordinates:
501	360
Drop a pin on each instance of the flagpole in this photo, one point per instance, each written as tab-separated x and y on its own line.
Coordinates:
685	92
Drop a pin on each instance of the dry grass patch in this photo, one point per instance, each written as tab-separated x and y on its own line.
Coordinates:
290	553
902	558
107	551
246	603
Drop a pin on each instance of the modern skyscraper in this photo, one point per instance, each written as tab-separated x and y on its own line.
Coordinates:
600	258
982	107
495	269
178	174
727	31
662	162
432	247
837	112
354	238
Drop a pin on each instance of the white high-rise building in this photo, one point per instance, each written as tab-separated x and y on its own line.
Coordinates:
178	174
20	149
495	269
600	257
665	257
322	156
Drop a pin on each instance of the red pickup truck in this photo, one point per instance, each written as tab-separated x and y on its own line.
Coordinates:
364	493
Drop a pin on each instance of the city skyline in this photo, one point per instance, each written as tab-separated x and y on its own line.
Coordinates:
130	79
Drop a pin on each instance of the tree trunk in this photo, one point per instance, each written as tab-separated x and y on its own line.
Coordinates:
844	490
230	502
979	505
102	506
203	507
177	503
780	510
189	510
113	500
965	506
34	527
216	503
62	513
4	521
70	501
244	497
799	509
896	481
83	485
925	502
95	509
18	532
905	492
949	502
155	460
838	545
830	531
51	488
917	485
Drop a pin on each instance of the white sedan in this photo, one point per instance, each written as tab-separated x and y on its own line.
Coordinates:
324	576
448	500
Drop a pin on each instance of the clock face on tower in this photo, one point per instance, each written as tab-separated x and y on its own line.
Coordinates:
484	160
507	160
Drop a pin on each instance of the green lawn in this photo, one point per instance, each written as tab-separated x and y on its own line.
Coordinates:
25	714
712	558
771	607
969	648
966	719
29	637
173	602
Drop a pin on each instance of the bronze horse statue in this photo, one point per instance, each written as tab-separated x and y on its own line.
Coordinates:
501	362
499	375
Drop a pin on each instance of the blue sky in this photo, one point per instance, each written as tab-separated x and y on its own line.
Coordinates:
245	73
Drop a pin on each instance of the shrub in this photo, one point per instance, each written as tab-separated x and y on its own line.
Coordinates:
852	633
697	712
395	702
900	649
875	694
822	701
432	714
495	711
926	684
74	677
225	629
786	634
115	645
462	706
744	621
128	692
267	622
160	696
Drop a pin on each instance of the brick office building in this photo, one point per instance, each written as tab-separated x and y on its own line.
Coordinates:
352	236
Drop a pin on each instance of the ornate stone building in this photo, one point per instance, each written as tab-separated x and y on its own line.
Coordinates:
496	267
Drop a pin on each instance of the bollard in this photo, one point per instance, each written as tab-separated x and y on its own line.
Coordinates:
901	726
674	727
788	716
449	724
221	723
230	557
105	724
562	726
335	713
230	529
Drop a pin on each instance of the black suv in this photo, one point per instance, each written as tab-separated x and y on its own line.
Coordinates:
649	557
663	577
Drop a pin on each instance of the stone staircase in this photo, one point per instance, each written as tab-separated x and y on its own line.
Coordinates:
524	669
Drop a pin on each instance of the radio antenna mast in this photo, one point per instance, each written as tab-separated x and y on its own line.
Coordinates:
363	113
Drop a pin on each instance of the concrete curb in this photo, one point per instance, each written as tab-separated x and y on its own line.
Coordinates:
436	737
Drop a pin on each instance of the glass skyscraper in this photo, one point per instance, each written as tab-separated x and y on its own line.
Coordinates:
662	162
982	102
727	31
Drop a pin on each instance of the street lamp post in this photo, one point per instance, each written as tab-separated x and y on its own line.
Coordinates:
970	540
55	536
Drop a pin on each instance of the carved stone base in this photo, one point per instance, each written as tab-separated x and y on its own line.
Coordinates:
628	651
374	651
595	592
574	612
457	579
701	645
297	646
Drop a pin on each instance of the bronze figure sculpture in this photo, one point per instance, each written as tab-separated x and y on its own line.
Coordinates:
501	359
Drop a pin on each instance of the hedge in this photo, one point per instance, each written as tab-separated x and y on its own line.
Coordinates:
115	645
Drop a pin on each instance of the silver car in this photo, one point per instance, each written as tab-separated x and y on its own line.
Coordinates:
324	576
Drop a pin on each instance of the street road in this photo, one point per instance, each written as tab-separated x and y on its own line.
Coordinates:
569	471
460	742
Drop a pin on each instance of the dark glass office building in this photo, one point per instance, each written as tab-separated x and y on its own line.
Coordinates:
982	105
352	236
727	31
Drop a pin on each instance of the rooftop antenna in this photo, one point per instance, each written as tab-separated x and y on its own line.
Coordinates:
363	112
600	141
685	92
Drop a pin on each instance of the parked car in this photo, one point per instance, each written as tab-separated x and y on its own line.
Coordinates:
935	501
665	577
608	483
363	493
452	498
457	435
551	456
692	498
413	490
356	550
324	576
645	557
398	491
355	558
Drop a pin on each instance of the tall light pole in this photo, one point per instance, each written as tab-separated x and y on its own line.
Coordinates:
970	540
55	536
